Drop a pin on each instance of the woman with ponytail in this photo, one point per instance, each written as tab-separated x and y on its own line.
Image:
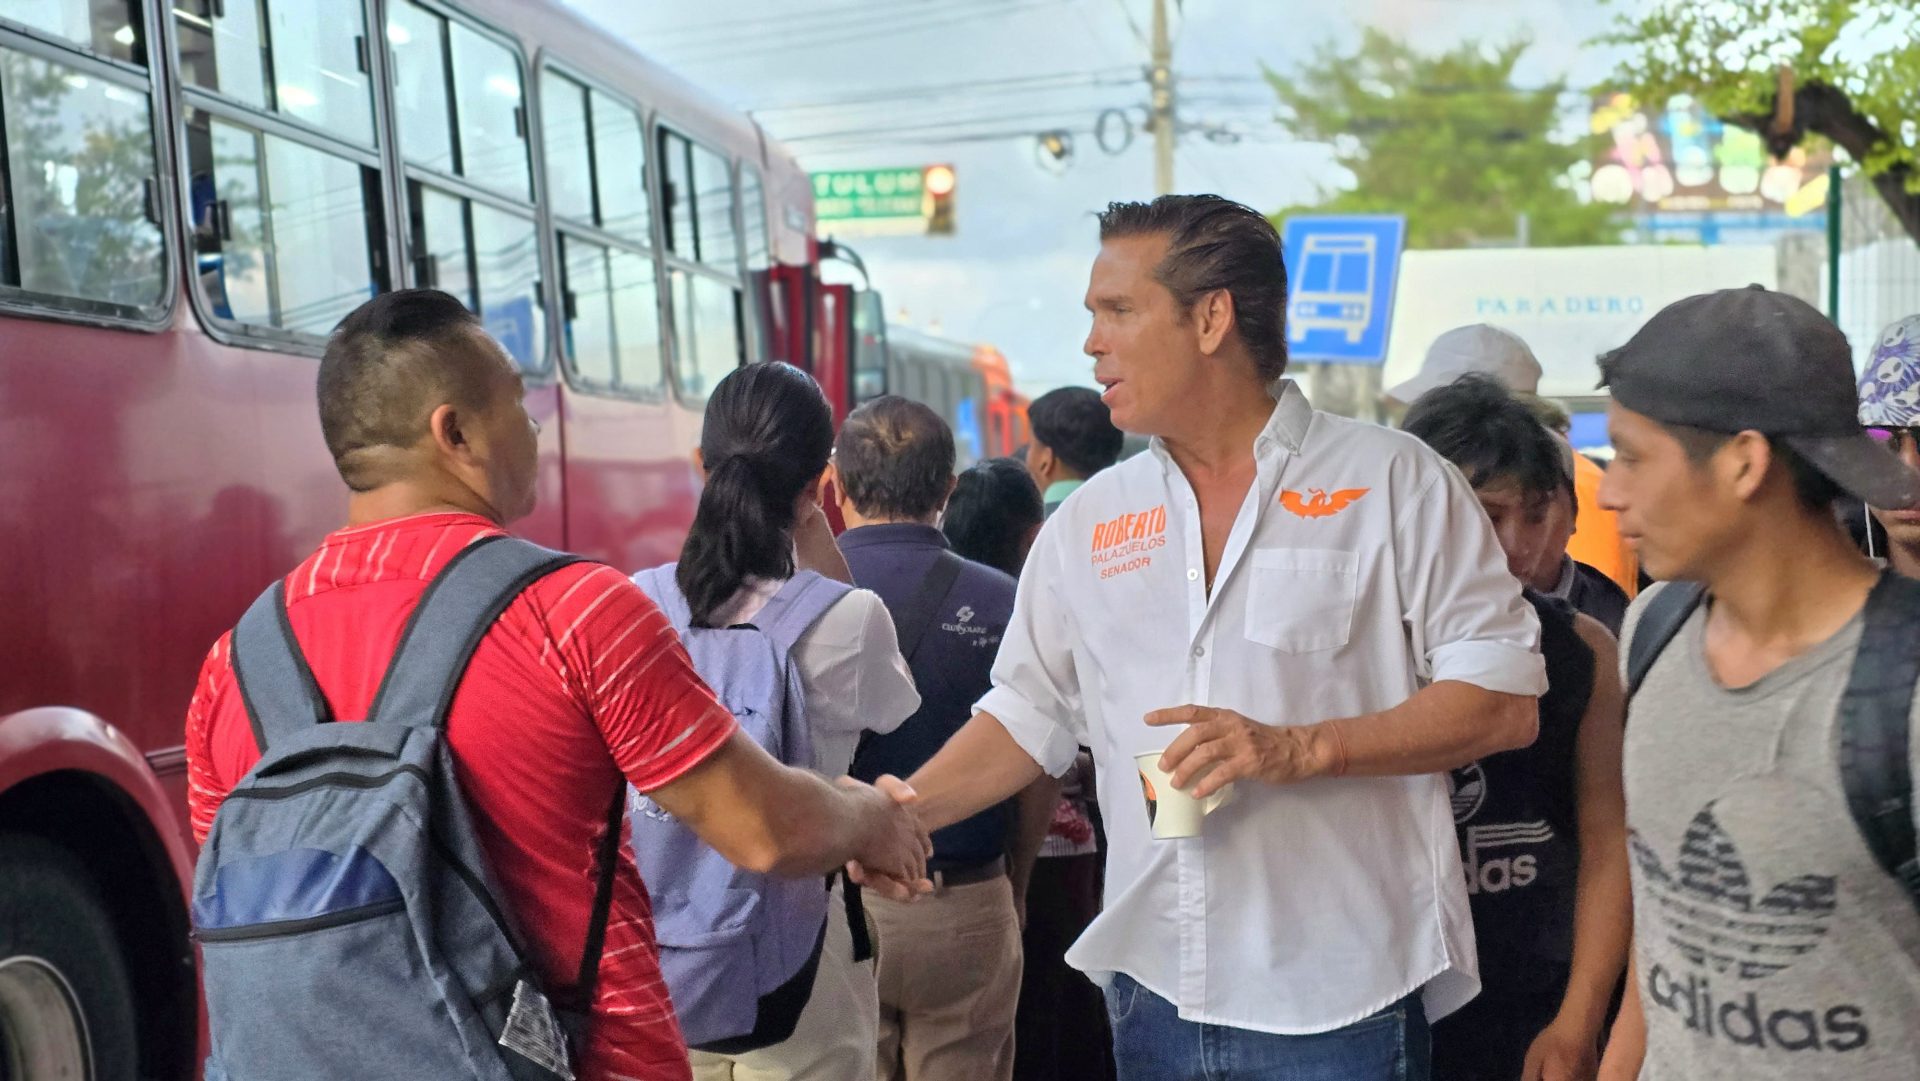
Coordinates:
760	534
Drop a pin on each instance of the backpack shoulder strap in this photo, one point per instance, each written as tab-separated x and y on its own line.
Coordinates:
1875	732
910	622
275	683
456	611
660	586
801	601
1665	614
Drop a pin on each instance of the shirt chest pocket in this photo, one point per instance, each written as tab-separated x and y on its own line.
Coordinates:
1301	600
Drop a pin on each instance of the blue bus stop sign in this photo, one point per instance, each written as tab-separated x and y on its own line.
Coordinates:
1340	276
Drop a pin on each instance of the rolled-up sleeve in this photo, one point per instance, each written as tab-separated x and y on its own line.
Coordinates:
1464	612
1035	686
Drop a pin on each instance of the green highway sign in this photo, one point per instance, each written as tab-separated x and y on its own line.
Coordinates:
913	199
855	194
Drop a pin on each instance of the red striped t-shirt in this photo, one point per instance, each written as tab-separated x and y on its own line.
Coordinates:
580	682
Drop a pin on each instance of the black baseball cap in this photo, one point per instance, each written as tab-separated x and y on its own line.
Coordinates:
1753	359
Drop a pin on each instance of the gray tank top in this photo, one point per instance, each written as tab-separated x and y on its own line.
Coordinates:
1770	943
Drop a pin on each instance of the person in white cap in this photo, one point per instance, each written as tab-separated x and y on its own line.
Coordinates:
1486	349
1890	409
1476	348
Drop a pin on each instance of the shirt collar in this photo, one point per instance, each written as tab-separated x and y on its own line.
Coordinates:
907	533
1061	489
1563	588
1286	427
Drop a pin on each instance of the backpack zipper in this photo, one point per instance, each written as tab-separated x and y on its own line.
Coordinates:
288	928
335	780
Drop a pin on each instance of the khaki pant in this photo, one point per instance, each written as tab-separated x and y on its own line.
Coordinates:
835	1037
949	983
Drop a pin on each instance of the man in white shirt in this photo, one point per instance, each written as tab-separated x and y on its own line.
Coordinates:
1312	609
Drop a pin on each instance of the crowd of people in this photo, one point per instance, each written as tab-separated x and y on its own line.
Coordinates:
1293	747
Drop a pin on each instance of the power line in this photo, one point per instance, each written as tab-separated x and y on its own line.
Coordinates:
1041	119
776	40
1139	35
987	136
1065	80
707	29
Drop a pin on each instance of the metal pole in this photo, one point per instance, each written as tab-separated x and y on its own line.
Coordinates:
1833	242
1160	77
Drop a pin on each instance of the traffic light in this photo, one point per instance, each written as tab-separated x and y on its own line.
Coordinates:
938	182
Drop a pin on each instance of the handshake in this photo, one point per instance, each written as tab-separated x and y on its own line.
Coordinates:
890	845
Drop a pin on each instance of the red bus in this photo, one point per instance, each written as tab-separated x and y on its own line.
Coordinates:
192	193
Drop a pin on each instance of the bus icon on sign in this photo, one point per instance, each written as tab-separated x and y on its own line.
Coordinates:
1335	288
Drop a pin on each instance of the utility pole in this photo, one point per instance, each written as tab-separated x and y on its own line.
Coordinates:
1160	80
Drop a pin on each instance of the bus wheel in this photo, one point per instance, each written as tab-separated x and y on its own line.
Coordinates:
66	1004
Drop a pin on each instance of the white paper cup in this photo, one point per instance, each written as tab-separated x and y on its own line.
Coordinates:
1170	811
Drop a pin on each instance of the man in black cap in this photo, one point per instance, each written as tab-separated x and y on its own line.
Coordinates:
1771	675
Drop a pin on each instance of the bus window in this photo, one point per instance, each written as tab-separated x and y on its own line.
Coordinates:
636	322
620	170
479	130
753	215
704	289
418	39
80	169
563	139
589	311
306	61
489	258
283	233
491	125
442	257
596	166
700	204
677	191
870	346
713	204
613	322
506	257
109	28
706	332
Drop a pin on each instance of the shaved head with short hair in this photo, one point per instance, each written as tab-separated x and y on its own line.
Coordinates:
388	366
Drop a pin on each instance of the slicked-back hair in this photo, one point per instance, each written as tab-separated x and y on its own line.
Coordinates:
1075	425
1215	243
994	506
895	458
1494	438
388	365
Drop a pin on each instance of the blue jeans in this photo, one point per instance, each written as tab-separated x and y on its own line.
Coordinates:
1152	1043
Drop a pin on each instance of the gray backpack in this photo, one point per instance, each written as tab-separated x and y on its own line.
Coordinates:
739	950
348	922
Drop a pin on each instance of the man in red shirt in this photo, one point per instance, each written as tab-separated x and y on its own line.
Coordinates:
579	688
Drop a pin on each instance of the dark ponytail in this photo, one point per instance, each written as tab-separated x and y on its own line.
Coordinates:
767	434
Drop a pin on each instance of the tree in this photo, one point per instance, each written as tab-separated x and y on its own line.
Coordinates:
1448	139
1845	70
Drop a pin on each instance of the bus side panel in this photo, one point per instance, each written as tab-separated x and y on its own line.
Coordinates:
144	517
631	486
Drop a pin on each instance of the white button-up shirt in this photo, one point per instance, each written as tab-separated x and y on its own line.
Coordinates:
1359	569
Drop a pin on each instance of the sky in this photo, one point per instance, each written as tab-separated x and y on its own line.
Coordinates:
1015	270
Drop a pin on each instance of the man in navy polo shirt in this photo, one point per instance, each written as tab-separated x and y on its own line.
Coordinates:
950	964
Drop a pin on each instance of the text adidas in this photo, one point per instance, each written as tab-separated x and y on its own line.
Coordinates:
1747	1022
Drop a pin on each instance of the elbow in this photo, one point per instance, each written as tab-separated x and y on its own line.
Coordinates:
1516	722
762	857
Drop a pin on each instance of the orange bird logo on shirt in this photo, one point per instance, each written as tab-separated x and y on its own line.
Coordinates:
1318	503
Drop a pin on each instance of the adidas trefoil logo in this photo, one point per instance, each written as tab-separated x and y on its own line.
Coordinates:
1712	915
